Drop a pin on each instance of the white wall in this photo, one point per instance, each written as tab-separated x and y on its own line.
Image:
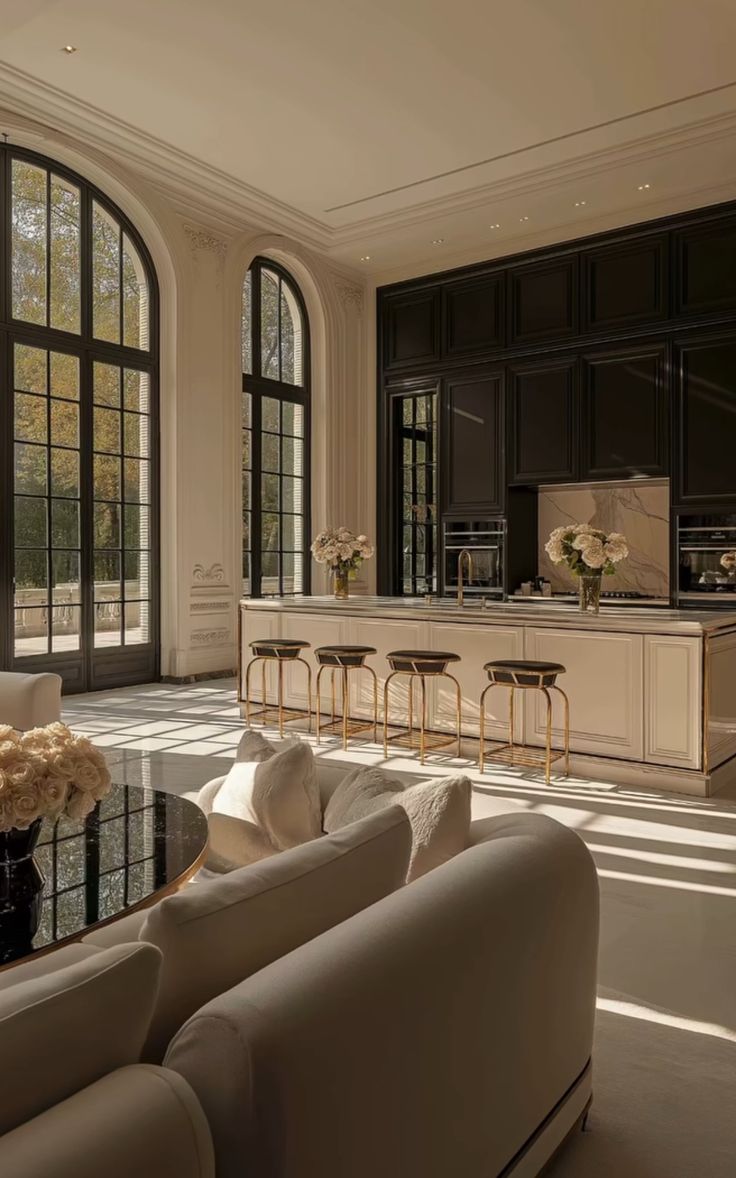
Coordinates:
200	264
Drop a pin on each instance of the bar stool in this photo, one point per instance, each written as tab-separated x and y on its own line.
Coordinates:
421	665
345	659
528	675
279	651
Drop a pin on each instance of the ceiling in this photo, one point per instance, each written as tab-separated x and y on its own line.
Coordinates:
376	127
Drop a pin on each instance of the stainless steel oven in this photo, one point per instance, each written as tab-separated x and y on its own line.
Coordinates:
485	540
706	560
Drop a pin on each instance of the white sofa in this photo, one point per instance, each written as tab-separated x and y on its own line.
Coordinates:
29	701
76	1103
444	1031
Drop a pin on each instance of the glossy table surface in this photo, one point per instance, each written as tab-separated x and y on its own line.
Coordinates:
135	847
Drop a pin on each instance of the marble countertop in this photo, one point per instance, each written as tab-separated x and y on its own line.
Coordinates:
625	618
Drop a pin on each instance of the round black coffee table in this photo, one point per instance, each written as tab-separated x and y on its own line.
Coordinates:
137	846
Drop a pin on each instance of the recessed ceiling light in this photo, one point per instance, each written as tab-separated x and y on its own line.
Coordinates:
69	49
496	226
366	258
437	240
643	186
579	203
523	218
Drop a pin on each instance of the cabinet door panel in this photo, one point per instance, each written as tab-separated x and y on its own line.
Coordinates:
411	328
473	315
543	435
604	683
476	645
473	444
706	268
707	422
625	284
625	414
544	301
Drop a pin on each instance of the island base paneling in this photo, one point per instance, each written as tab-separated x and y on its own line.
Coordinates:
640	701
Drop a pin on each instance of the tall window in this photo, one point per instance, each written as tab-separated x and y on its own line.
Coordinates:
275	423
78	393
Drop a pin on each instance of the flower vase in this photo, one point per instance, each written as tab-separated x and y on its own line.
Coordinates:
590	594
21	890
342	584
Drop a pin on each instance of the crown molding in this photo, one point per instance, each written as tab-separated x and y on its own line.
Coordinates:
558	234
548	178
201	191
200	187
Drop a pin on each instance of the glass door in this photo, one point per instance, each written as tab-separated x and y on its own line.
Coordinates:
415	434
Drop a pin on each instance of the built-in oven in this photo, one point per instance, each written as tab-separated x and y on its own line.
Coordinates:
485	541
706	560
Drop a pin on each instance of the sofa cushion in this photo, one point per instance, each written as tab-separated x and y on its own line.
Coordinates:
438	809
273	789
65	1029
215	933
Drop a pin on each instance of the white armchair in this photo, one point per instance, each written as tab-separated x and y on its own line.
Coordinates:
29	701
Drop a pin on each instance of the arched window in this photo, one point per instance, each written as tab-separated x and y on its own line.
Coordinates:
78	423
275	424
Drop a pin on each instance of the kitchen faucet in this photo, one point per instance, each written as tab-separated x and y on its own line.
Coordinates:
461	556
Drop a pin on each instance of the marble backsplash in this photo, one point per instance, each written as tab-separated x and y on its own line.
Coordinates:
641	510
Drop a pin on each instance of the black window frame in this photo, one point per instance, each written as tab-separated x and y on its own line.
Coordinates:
89	667
259	386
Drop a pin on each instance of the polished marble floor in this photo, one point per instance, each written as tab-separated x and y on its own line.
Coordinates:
666	1058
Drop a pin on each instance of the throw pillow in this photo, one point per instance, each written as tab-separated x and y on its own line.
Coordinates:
438	810
275	793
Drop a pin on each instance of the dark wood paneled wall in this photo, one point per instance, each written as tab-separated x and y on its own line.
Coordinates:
607	357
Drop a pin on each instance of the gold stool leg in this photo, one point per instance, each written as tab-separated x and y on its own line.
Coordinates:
309	691
512	696
567	728
247	691
345	706
375	702
411	711
319	706
264	668
281	696
332	688
548	757
458	710
385	711
423	685
482	727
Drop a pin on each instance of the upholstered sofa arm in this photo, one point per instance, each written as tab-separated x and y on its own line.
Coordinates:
138	1122
441	1027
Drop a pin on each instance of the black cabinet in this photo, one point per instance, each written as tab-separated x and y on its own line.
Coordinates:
411	328
472	444
543	422
543	300
473	315
706	268
706	425
624	414
625	284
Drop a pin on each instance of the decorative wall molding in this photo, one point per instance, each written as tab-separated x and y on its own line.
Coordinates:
200	239
350	296
214	575
209	637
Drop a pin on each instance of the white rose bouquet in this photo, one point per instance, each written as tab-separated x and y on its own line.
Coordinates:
341	549
587	551
728	562
48	772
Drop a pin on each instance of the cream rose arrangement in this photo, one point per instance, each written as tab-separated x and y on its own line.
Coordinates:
587	551
48	772
341	549
728	562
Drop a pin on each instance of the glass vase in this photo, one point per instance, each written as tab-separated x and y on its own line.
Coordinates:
21	890
589	592
342	584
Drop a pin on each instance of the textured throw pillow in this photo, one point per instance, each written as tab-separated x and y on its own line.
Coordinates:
438	809
273	790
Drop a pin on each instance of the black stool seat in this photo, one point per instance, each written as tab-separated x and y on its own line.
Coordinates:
523	672
343	655
278	648
421	662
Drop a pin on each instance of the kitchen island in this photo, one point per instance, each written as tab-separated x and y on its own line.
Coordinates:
652	691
